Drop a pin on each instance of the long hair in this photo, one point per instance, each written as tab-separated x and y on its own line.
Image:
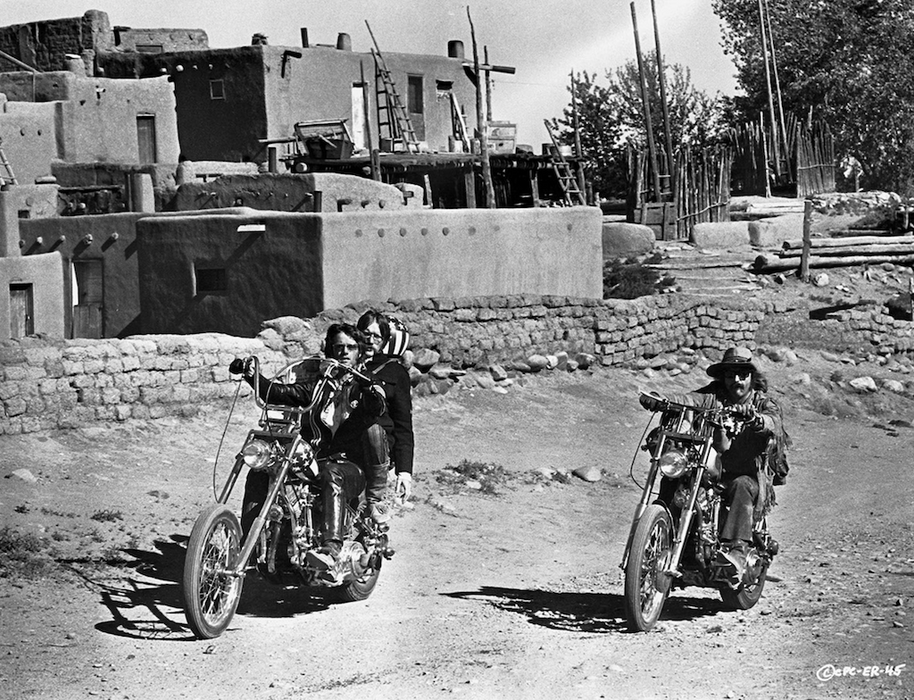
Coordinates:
370	317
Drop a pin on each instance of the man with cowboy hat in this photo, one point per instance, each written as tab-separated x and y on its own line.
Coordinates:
737	383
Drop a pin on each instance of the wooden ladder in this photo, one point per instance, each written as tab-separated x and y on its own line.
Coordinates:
392	114
9	177
571	193
459	124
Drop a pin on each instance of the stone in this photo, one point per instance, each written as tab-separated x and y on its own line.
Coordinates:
484	379
585	360
537	362
25	475
498	372
727	235
425	359
415	376
820	279
551	362
863	385
893	385
624	240
590	473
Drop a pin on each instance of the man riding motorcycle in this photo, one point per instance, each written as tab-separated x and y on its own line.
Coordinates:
738	384
353	404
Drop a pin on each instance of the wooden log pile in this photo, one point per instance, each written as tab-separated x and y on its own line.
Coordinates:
839	252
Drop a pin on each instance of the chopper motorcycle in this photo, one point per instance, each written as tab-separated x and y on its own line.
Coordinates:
287	526
674	538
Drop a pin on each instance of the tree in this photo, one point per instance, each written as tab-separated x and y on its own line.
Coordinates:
611	118
843	61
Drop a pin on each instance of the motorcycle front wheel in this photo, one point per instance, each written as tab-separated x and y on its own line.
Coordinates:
210	592
646	583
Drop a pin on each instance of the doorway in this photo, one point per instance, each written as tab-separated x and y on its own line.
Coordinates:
88	299
22	305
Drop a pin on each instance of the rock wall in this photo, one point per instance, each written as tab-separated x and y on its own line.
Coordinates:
489	341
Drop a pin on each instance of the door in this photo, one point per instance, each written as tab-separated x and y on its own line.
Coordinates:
146	138
22	322
88	297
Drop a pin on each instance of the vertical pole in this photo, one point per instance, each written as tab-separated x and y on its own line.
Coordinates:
777	85
774	124
807	240
485	53
646	106
480	125
670	160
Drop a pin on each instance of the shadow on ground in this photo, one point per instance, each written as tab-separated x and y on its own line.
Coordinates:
582	612
147	602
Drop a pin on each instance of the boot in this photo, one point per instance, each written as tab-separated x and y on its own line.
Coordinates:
376	491
328	555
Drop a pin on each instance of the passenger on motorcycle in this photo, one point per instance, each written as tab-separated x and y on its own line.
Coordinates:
392	436
344	417
737	384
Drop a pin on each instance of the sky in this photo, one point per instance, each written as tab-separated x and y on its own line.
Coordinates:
544	40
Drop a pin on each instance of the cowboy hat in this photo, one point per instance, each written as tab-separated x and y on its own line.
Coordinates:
734	358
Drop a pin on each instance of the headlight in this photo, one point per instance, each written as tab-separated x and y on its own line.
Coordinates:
673	464
256	454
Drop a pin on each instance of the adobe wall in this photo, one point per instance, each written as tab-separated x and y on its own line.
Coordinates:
45	44
290	192
29	138
110	238
96	118
462	252
44	273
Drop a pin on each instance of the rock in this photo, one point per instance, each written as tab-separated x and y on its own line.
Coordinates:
624	240
440	372
830	357
519	366
863	385
499	390
551	362
407	358
537	362
425	359
25	475
590	473
562	360
484	379
585	360
414	376
499	373
571	365
820	279
893	385
803	378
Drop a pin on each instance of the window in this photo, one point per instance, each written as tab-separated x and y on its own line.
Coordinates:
216	90
414	95
210	280
25	214
149	48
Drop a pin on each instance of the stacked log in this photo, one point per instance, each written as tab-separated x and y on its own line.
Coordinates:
839	252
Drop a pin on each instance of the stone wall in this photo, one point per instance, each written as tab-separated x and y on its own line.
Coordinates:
53	384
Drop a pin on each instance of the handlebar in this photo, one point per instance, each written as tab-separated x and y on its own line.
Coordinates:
714	414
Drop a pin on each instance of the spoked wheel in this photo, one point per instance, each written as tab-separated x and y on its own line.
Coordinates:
211	593
646	584
745	597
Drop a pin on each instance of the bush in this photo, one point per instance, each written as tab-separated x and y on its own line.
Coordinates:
631	278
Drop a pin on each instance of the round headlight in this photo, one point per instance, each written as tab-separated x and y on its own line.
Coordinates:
256	454
673	464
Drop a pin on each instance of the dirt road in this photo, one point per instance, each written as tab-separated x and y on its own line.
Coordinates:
511	594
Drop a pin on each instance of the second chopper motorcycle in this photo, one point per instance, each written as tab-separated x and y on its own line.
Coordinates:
674	539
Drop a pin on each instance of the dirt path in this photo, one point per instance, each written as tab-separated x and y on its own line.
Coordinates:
515	594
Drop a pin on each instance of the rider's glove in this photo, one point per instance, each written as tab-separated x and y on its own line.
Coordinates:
236	366
652	402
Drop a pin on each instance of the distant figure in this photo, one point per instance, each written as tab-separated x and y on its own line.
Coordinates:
259	39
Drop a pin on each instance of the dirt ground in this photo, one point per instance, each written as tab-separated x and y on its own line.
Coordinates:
506	586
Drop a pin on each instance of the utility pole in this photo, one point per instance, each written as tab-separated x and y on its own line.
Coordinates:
480	123
645	101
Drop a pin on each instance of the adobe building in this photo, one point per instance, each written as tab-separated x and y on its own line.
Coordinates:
227	270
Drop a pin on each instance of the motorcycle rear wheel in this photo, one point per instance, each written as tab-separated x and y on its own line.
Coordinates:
211	595
646	586
744	597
